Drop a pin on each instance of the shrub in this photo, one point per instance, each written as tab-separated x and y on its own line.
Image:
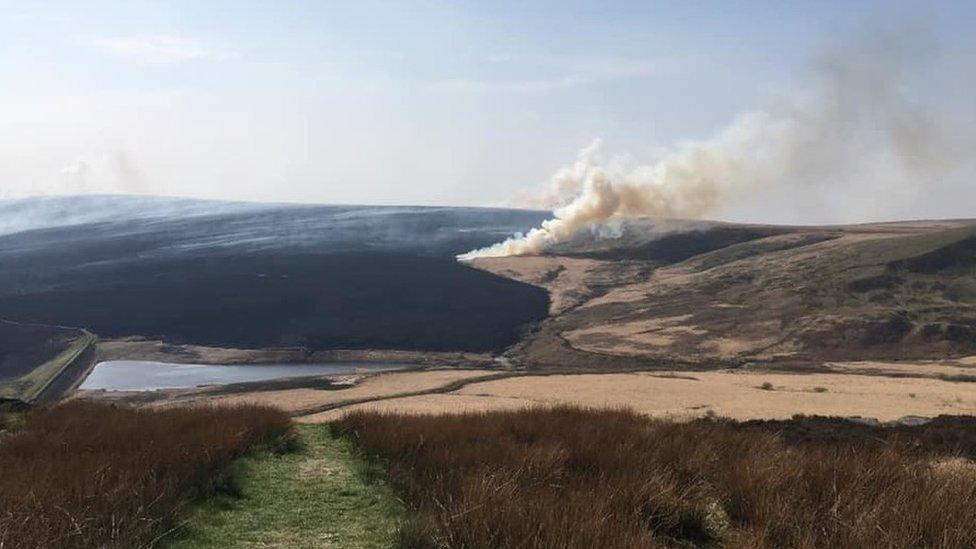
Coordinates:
568	477
766	386
87	475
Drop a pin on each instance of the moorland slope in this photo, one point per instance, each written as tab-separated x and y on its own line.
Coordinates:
263	275
713	294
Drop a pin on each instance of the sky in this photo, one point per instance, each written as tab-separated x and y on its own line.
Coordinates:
436	103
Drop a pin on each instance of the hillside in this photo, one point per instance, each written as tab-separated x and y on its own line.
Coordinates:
33	356
712	294
251	276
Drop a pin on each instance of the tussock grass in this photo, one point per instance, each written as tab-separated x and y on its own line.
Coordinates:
567	477
87	475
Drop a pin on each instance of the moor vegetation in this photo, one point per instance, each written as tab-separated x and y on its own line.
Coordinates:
567	477
264	275
793	294
87	475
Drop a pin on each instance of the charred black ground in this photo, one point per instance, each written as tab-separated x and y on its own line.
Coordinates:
22	347
250	276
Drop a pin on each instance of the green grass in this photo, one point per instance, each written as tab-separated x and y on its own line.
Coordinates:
314	497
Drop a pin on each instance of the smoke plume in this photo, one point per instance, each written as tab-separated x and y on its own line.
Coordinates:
850	145
114	172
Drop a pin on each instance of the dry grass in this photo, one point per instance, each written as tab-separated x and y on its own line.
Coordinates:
564	278
568	477
881	292
86	475
925	368
379	385
687	395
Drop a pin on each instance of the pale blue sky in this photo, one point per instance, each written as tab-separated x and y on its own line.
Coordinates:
392	102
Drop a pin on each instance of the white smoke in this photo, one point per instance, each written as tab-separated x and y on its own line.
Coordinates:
847	146
114	172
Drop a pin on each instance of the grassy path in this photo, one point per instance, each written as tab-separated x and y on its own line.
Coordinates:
446	388
311	498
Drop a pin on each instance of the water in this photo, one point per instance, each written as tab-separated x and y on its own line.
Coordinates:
143	375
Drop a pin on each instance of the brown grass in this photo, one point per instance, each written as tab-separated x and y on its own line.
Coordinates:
686	395
568	477
86	475
373	386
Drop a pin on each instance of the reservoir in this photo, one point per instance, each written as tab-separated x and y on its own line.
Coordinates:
143	375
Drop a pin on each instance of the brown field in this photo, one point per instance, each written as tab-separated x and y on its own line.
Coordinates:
676	395
86	475
368	386
933	368
569	477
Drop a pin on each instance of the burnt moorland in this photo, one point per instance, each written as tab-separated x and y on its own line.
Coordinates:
252	276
